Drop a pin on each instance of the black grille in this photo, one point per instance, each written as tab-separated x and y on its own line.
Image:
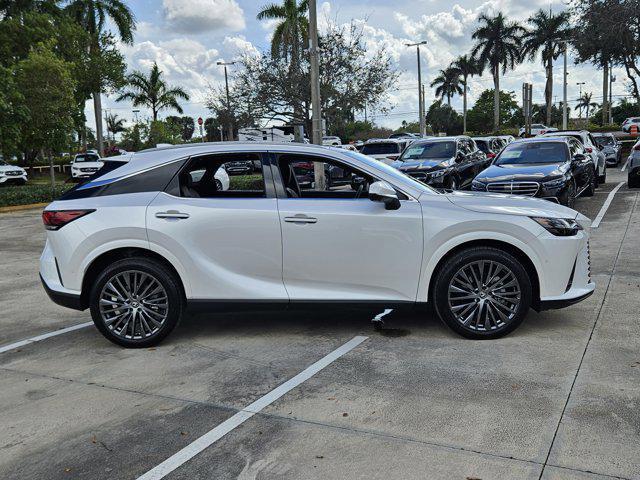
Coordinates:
13	173
514	188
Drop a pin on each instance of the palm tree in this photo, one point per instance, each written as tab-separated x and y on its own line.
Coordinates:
115	125
92	15
584	102
467	66
291	34
153	92
547	34
497	47
448	84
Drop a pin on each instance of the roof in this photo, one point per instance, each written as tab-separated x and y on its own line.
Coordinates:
386	140
557	138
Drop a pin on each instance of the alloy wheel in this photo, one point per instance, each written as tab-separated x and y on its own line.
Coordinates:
133	305
484	295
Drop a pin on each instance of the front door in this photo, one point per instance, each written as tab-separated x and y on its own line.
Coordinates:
338	245
219	220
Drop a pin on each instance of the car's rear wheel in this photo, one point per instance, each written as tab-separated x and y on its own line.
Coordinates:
136	302
568	198
603	178
482	293
633	179
591	187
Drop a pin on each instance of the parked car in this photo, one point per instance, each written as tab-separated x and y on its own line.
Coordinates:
85	165
482	260
555	168
443	162
240	167
490	146
12	174
331	141
404	135
610	146
537	129
633	176
386	150
626	125
507	139
591	148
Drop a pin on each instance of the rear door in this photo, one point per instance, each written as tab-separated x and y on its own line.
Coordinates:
338	245
226	238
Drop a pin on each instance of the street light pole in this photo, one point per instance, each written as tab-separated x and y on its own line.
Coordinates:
420	98
580	97
316	106
611	80
565	120
226	83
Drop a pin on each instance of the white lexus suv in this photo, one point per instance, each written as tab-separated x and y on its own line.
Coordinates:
142	243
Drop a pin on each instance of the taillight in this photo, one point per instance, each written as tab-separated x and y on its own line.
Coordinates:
491	156
637	147
56	219
588	149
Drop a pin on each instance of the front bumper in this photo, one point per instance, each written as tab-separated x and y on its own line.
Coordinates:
13	178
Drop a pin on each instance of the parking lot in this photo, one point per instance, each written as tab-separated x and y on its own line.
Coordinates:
557	399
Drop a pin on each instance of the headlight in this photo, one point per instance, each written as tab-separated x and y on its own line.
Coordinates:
561	227
476	185
554	183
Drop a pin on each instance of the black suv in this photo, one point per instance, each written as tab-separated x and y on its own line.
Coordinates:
555	168
443	162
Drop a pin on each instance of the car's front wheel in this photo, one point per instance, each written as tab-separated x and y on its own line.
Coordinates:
482	293
136	302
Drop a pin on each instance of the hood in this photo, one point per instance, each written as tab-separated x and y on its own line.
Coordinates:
484	202
421	164
534	172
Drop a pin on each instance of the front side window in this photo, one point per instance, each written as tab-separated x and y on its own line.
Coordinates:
533	153
340	180
223	175
483	146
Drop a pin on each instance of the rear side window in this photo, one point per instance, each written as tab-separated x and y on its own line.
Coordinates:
153	180
223	175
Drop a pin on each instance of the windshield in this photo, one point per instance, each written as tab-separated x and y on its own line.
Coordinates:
535	152
483	145
605	141
381	148
423	151
87	157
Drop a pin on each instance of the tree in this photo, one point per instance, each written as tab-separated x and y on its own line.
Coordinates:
115	125
153	92
481	114
443	118
212	129
547	33
497	46
467	66
350	77
448	84
291	34
47	85
186	125
585	103
13	113
134	137
92	15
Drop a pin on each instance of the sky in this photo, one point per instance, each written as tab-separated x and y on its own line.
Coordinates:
187	37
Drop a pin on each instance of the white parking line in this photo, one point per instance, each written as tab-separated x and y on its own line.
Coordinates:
44	336
209	438
605	206
624	167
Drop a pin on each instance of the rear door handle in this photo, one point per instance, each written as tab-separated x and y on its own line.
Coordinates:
172	214
300	219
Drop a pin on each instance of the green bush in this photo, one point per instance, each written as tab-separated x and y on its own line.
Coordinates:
27	194
246	182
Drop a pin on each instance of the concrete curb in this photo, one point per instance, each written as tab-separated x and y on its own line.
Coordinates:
17	208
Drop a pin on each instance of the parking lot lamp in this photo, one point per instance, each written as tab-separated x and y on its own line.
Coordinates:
316	107
420	98
565	113
226	83
580	85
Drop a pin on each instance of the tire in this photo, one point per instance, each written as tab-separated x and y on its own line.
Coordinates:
218	185
492	302
568	199
633	181
151	276
591	189
602	179
453	184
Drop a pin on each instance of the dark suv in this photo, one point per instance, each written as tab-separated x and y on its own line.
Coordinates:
443	162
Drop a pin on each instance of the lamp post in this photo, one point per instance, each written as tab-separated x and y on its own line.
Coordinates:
420	98
580	97
565	120
226	83
135	113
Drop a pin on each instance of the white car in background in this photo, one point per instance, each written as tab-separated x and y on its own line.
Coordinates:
12	174
537	129
481	259
591	148
85	165
331	141
626	125
387	150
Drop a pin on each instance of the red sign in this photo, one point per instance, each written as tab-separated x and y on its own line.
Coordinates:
199	120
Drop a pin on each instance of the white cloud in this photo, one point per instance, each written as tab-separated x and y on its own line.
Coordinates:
239	45
198	16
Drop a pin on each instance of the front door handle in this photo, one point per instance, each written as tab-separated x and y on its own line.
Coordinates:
300	218
172	214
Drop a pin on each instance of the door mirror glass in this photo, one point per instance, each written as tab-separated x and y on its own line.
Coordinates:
383	192
580	158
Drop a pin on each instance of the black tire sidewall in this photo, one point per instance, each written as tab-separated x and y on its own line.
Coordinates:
162	275
457	261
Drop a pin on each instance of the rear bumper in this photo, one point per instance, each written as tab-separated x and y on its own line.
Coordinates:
63	299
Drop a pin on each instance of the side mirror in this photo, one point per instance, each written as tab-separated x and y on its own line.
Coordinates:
383	192
580	158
